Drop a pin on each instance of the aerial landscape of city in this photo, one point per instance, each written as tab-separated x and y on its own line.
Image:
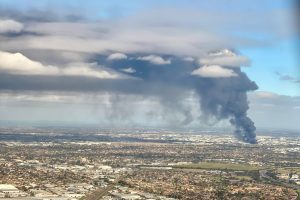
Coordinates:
149	100
67	163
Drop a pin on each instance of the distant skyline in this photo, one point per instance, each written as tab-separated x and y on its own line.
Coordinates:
162	63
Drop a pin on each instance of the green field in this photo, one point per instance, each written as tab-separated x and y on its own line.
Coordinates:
219	166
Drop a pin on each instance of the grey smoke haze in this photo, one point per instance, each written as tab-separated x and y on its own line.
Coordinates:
220	97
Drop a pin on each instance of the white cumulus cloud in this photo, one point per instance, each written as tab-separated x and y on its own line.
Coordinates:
117	56
129	70
17	63
225	58
10	26
157	60
213	71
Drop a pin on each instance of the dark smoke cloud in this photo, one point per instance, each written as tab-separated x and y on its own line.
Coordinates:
220	98
226	98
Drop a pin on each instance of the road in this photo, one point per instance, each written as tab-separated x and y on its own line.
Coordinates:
263	174
99	193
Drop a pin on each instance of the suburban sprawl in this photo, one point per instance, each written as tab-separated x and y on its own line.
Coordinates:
127	164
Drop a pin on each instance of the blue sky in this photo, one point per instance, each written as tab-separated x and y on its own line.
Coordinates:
280	57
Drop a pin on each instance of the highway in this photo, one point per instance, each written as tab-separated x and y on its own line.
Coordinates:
99	193
263	174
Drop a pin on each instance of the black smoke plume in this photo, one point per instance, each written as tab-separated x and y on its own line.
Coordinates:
226	98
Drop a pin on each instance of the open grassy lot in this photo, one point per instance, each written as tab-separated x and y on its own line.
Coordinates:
288	170
219	166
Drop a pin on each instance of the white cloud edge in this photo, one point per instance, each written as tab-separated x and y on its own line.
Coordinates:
10	26
226	58
128	70
214	71
17	63
154	59
117	56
